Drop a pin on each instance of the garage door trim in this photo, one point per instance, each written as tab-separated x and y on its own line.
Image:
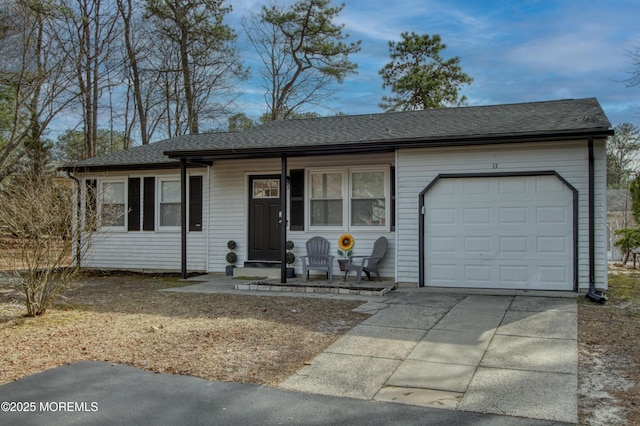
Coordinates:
421	212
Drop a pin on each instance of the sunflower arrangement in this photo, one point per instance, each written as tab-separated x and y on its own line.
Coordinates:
345	242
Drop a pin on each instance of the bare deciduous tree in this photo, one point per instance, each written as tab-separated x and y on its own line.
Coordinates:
37	213
88	37
33	78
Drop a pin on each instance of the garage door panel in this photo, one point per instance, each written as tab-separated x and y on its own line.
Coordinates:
477	245
515	275
510	245
444	273
551	215
443	246
551	276
517	233
480	215
442	216
481	274
513	215
475	188
513	187
552	245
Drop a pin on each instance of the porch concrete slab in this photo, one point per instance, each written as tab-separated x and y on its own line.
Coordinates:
533	394
548	324
407	316
452	347
342	375
481	302
542	304
472	320
421	397
431	375
532	353
376	341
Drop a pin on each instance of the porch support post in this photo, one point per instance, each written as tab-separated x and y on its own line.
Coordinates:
283	219
183	216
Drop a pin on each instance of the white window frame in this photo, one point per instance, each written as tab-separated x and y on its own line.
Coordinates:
311	172
158	189
158	202
101	184
386	196
347	173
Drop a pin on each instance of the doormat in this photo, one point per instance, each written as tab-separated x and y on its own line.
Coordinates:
341	288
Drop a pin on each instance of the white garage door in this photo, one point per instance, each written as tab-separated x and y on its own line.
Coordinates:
511	232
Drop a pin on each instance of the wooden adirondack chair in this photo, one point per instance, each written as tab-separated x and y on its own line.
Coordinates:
368	264
317	257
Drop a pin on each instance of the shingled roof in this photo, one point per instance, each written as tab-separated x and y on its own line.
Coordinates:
534	121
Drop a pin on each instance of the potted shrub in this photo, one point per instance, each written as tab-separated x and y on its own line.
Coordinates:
290	258
232	258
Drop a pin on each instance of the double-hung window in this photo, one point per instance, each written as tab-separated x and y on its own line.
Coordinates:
327	198
368	198
349	198
112	203
169	203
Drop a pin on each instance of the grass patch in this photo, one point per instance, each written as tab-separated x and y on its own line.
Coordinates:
624	288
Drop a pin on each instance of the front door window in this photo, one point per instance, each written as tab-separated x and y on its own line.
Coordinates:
266	188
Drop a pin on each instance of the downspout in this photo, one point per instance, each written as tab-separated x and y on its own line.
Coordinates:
78	239
592	295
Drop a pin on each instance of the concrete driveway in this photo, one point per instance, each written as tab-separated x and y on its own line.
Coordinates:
513	355
422	357
503	352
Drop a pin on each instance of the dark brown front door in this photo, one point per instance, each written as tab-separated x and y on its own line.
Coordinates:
264	217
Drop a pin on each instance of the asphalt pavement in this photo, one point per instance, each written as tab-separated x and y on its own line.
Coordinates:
100	393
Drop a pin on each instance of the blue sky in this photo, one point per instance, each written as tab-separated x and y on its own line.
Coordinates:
516	51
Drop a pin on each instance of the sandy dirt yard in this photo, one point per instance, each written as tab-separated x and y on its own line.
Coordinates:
124	319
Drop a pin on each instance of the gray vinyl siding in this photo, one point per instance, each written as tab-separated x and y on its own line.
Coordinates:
158	250
225	213
416	168
228	215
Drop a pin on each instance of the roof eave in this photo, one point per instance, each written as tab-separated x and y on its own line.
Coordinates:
121	167
385	145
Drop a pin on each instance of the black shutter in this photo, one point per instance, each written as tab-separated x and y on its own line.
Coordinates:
149	204
195	203
133	214
296	207
392	213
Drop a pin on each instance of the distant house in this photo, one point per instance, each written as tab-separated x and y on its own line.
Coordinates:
504	196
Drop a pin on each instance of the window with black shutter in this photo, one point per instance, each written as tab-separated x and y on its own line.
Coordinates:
133	213
149	204
195	203
296	203
392	213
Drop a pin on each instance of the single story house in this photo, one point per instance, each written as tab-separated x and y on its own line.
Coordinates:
505	196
